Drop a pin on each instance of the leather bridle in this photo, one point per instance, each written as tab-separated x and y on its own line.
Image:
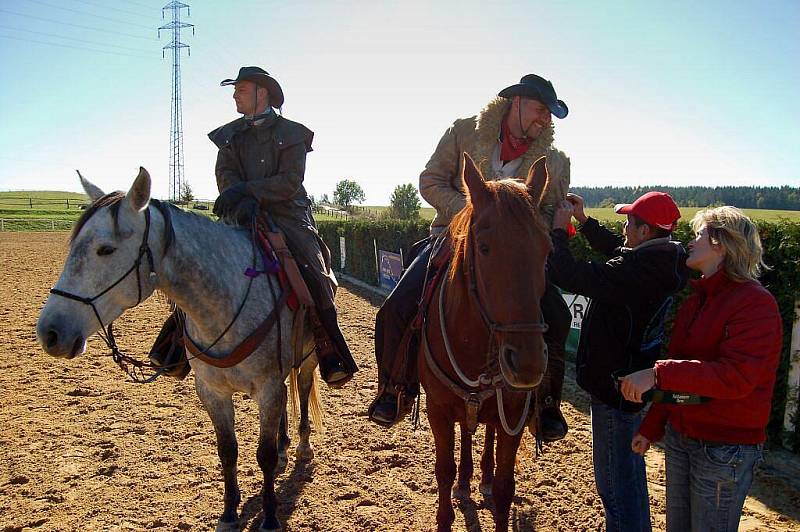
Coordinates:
493	325
106	332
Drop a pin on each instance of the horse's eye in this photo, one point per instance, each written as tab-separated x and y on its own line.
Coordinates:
483	248
105	250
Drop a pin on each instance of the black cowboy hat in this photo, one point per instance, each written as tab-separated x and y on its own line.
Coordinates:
538	88
261	77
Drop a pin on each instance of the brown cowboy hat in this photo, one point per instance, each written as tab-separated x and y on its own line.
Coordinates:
260	77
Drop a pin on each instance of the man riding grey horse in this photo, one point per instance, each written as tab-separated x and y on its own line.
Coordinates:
260	169
505	139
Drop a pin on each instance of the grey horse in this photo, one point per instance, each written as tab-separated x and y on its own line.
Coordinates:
201	270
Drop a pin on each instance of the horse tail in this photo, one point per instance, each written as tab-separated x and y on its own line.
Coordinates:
315	405
294	393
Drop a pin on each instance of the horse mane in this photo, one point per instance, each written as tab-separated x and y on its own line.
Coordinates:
111	200
512	199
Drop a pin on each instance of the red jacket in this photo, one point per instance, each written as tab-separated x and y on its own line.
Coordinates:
725	344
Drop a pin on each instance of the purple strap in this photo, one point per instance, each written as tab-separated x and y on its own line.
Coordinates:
271	265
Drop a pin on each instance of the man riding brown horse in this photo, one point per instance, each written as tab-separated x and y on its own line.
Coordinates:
260	169
505	139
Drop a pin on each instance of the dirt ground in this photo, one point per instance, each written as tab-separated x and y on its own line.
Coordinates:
81	448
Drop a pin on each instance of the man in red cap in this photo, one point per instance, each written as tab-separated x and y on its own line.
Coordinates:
622	332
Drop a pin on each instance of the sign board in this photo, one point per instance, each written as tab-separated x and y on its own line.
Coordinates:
577	309
342	253
390	266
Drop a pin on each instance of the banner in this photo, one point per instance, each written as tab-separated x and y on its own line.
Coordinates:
390	268
577	308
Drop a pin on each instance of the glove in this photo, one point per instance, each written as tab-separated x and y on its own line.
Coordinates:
229	199
245	211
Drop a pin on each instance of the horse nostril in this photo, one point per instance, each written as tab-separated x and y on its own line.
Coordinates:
52	338
510	356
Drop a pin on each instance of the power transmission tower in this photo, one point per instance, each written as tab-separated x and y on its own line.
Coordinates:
176	115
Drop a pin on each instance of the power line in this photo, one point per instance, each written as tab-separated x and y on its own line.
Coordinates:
74	39
117	33
141	4
116	9
88	14
62	45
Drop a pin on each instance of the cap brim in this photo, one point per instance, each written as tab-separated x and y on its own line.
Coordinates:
623	208
266	81
558	108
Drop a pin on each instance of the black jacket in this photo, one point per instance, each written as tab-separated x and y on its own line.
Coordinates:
623	328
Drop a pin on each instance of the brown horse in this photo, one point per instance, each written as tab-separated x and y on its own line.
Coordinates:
482	350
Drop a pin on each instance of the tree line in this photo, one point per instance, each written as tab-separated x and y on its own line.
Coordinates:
775	198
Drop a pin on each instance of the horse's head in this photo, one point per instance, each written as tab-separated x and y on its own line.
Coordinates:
504	246
107	241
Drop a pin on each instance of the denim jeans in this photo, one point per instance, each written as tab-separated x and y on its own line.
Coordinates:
619	472
706	482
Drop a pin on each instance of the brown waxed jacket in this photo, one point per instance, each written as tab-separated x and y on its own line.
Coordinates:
271	159
441	182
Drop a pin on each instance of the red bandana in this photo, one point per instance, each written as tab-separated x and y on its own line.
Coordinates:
511	147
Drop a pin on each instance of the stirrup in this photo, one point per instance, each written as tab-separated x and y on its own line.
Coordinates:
403	407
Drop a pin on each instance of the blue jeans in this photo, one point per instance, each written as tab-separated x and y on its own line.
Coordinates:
707	482
619	472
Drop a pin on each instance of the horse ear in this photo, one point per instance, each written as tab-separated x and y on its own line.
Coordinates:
473	179
139	194
92	190
538	179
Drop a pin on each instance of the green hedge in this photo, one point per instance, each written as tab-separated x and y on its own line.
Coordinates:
390	235
781	252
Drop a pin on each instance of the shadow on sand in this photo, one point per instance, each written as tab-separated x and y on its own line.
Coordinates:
287	491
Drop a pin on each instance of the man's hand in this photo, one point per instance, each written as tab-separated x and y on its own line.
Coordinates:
577	207
230	198
640	444
562	216
245	211
635	384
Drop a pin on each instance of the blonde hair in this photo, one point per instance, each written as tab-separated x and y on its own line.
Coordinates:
730	228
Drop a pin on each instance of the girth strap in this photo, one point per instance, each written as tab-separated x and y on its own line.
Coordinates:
244	349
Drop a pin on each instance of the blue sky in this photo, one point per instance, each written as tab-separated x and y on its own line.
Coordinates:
679	92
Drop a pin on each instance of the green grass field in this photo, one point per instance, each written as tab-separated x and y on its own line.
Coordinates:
51	210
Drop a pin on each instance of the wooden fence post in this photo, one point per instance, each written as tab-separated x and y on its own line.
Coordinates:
30	201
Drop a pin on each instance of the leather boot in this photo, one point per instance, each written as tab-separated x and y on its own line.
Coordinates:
336	364
556	313
168	350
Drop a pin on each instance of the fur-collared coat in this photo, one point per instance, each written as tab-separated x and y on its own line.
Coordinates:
441	183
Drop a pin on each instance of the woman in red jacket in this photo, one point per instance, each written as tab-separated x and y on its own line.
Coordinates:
724	349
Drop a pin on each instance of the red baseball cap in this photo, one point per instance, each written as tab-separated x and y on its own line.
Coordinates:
655	208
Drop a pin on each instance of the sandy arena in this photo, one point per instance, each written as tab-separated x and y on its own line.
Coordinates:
81	448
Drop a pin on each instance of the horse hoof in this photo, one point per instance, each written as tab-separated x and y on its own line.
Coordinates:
304	452
485	489
223	526
461	493
283	462
275	527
